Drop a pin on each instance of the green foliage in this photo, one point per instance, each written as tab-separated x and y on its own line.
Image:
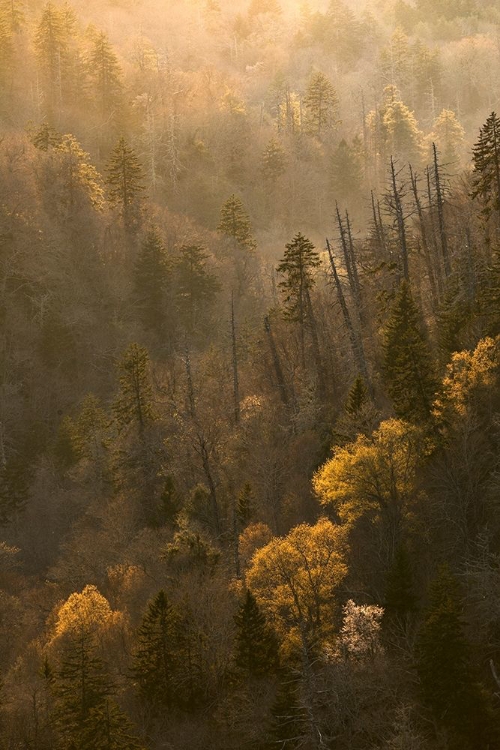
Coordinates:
486	159
297	268
256	646
288	725
134	402
105	77
152	277
448	682
321	105
196	287
235	223
400	600
408	365
273	162
125	181
46	137
108	728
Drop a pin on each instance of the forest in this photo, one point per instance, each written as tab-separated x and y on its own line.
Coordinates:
249	375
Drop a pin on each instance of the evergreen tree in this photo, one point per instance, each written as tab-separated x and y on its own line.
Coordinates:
273	162
245	507
297	267
134	402
347	170
14	488
486	158
46	137
321	105
51	43
195	287
156	660
448	682
288	726
125	181
152	276
235	223
256	647
408	365
105	78
109	728
400	598
80	685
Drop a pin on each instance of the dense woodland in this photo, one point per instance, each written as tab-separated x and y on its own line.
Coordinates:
250	375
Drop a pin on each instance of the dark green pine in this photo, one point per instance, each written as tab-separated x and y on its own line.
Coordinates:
151	282
448	681
288	725
155	660
256	647
486	159
408	365
357	398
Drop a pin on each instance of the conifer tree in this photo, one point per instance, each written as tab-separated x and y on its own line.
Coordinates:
14	488
196	287
156	660
256	647
400	598
105	77
321	105
80	685
346	170
235	223
134	402
46	137
245	507
51	43
408	365
109	728
288	726
152	276
486	158
297	268
273	162
449	685
125	181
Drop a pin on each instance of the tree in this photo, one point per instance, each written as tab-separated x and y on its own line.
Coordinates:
321	105
374	475
288	725
256	646
449	136
152	278
105	77
294	578
486	159
46	137
408	365
109	728
346	171
273	162
196	287
14	488
235	223
51	43
125	181
448	682
400	598
134	402
297	268
78	178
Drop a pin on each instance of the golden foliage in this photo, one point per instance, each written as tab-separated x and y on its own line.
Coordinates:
372	474
84	612
295	577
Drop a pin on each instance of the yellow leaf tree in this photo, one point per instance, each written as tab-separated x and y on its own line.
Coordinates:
295	578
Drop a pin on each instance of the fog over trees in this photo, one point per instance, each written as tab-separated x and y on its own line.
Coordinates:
249	375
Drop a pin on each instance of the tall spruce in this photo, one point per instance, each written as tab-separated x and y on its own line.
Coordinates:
134	402
448	682
486	159
256	647
125	182
408	365
151	283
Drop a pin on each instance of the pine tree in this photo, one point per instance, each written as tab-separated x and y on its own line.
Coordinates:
346	170
297	267
156	660
109	728
486	158
273	162
235	223
288	726
152	276
46	137
80	686
256	647
321	105
400	598
14	488
105	78
51	43
134	402
125	181
448	682
195	287
245	506
408	365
